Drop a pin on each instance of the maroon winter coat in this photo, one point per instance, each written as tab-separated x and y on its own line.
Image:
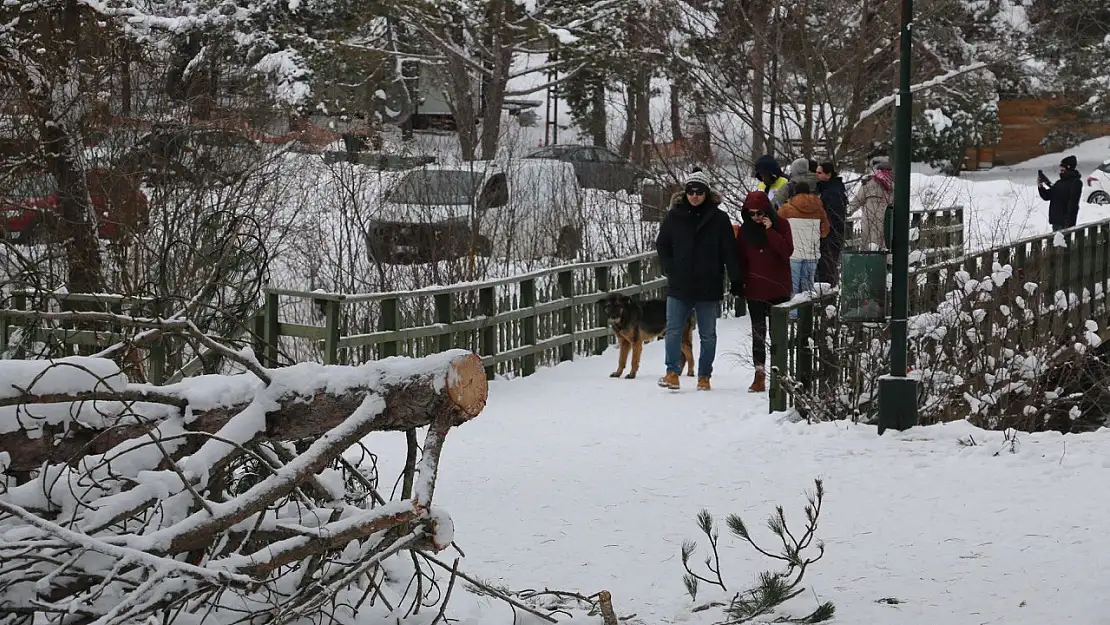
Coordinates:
766	268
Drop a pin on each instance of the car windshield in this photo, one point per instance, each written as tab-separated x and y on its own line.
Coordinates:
35	185
437	187
1105	166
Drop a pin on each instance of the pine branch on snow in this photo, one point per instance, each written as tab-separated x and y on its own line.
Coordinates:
774	588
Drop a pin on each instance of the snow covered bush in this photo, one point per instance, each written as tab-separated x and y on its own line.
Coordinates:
946	127
774	588
996	351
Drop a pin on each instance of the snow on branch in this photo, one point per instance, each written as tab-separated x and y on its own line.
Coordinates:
140	500
935	81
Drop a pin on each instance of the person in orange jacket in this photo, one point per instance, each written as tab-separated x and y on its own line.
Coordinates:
809	224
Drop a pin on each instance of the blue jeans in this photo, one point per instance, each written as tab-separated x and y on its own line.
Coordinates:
802	272
678	313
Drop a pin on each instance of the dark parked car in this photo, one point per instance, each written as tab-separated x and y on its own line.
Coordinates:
596	167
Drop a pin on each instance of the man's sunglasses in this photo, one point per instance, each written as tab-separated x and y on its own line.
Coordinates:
695	191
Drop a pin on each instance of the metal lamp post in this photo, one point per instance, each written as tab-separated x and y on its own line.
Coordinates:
897	391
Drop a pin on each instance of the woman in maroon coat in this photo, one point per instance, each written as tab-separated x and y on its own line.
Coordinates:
764	244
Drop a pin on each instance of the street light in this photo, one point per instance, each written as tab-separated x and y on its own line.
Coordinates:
897	392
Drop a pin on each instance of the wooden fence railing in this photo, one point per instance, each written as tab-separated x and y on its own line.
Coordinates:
515	324
1075	262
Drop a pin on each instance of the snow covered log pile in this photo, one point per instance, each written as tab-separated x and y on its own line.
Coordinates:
120	501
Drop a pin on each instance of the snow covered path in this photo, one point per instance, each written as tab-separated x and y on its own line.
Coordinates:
573	480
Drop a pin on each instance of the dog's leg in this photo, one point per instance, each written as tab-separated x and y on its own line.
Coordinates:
625	345
688	348
637	349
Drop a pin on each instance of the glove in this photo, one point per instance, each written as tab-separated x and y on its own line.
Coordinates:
736	289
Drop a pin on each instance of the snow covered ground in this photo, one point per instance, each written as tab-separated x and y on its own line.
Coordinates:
573	480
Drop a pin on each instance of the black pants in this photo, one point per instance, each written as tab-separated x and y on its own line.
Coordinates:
760	312
828	268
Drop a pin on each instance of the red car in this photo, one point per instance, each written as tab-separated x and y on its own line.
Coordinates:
31	208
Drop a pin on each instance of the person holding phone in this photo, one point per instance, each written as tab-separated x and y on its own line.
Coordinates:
1062	196
764	245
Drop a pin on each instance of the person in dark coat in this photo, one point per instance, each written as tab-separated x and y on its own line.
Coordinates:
696	247
834	196
1063	196
764	246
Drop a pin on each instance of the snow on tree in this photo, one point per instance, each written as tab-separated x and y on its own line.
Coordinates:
188	502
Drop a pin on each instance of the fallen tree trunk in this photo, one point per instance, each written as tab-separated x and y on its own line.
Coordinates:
454	383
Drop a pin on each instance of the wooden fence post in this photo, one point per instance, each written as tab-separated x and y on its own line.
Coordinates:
566	291
272	336
601	285
780	358
528	324
159	351
332	331
445	304
390	321
258	332
487	307
636	277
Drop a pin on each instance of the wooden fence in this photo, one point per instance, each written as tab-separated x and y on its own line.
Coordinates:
1075	262
516	324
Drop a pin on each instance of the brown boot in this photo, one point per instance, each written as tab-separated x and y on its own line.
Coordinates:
760	383
669	381
703	383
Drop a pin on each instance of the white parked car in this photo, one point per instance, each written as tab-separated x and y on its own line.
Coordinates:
1098	184
524	209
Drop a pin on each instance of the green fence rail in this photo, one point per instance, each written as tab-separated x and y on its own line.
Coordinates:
1075	262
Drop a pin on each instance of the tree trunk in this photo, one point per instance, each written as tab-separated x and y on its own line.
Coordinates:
642	117
627	137
676	112
759	77
411	402
500	46
599	117
461	88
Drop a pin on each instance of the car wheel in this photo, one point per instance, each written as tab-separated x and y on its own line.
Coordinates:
569	242
1098	197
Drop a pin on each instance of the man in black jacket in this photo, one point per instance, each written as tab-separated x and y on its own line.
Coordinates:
835	198
696	244
1062	196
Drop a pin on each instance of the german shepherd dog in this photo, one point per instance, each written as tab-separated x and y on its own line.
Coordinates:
635	323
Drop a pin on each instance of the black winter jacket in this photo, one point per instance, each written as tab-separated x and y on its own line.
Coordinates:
1063	199
835	198
695	246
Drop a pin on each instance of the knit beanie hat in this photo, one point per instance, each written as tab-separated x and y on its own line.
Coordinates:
697	180
756	201
1069	162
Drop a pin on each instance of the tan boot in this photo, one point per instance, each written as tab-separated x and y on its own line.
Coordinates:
703	383
760	383
669	381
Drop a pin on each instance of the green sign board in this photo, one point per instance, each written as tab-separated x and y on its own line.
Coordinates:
863	292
